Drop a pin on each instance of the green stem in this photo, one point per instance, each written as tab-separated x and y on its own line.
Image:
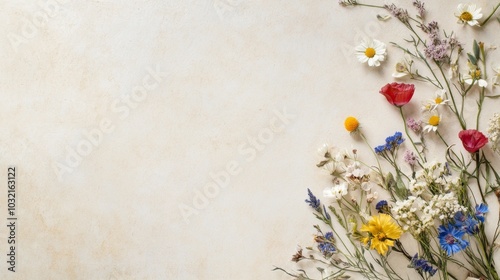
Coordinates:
492	13
408	134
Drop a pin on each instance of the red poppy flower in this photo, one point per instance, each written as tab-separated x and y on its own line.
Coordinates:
472	140
398	94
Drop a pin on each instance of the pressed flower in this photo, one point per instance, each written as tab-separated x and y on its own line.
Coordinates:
433	122
481	209
382	232
472	139
351	124
371	51
398	94
474	77
313	201
402	68
451	239
421	265
337	191
469	14
382	206
494	131
465	223
438	100
414	125
410	158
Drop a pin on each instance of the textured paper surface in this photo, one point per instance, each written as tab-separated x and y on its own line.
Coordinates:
121	117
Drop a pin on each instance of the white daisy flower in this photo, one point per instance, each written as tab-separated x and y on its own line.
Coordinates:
371	51
473	77
439	100
468	13
432	122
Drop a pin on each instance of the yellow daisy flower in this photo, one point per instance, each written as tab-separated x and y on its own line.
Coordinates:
382	232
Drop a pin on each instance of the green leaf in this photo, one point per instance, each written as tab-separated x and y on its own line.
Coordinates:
475	48
472	59
492	96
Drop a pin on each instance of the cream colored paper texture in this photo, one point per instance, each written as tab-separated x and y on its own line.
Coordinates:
177	139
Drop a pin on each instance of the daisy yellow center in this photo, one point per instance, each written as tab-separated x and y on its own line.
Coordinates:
438	100
434	120
370	52
466	16
351	124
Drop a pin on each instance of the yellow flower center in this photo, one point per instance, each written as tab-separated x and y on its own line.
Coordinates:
475	74
370	52
438	100
466	16
381	236
434	120
351	124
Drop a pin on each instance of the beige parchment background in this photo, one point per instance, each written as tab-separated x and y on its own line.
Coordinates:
120	115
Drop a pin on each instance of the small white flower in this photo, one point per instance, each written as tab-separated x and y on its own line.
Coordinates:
325	148
468	13
432	122
371	51
433	104
337	191
473	77
402	68
367	186
371	197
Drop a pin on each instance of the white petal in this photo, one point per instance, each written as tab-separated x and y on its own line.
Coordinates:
399	74
328	193
482	83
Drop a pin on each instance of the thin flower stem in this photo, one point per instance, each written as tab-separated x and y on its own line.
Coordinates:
455	109
374	154
408	134
478	167
479	107
492	13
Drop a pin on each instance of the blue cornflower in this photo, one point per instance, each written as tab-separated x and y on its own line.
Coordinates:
421	265
313	201
481	209
450	239
465	223
382	206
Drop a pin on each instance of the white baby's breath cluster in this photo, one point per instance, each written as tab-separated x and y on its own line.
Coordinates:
442	206
436	177
494	131
416	215
405	213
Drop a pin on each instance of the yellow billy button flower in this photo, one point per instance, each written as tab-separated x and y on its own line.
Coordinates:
351	124
382	232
